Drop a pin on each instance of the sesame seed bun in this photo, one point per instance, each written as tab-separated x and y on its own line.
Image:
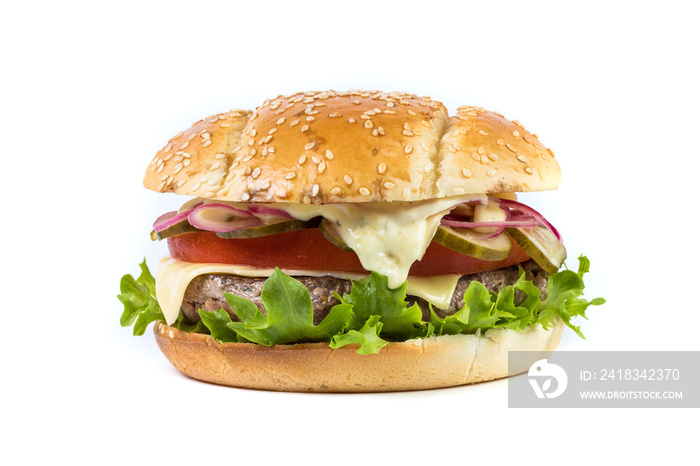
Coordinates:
420	364
355	146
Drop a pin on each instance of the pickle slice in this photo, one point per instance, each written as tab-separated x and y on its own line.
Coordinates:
467	242
331	234
265	230
542	245
178	228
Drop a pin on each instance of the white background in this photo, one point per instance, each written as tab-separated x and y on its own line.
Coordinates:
90	91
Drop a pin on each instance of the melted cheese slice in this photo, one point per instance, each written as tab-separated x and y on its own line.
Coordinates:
173	277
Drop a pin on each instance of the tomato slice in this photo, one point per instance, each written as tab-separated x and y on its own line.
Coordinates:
307	249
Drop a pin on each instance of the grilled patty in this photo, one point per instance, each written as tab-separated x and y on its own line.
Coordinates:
206	291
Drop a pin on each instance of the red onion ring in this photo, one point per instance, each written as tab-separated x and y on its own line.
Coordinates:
267	210
518	206
232	218
169	219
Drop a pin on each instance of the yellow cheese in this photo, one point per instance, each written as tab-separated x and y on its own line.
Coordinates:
173	277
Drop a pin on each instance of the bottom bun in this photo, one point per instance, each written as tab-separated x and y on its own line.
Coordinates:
419	364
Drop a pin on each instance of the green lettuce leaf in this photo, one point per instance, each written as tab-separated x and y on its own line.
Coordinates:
371	315
367	337
138	296
289	316
371	296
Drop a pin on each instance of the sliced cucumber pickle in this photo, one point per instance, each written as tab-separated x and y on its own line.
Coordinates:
540	244
265	230
467	242
331	234
178	228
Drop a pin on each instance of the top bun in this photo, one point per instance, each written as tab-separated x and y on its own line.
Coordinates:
355	146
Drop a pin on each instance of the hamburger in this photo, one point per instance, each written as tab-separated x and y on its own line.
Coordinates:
354	241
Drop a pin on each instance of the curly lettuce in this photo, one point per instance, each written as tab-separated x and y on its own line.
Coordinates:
371	315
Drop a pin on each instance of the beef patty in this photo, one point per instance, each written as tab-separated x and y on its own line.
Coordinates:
206	291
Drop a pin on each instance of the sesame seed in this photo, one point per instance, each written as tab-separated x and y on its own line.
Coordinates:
335	190
302	159
528	170
368	124
375	132
264	151
304	128
186	162
466	173
225	125
364	191
408	149
356	102
451	148
500	142
282	193
516	133
428	166
329	155
347	179
214	166
315	159
192	136
381	168
272	131
493	157
253	151
290	176
219	156
280	121
390	104
522	158
205	135
510	147
381	131
310	118
407	132
267	139
389	185
184	145
483	133
196	186
271	150
314	190
177	168
491	172
247	171
412	113
351	120
365	117
265	186
321	167
306	200
550	152
245	197
294	123
256	173
253	132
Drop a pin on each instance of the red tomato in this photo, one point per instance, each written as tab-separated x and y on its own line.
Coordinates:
308	250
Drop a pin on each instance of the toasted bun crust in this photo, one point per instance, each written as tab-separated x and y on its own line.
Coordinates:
434	362
355	146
